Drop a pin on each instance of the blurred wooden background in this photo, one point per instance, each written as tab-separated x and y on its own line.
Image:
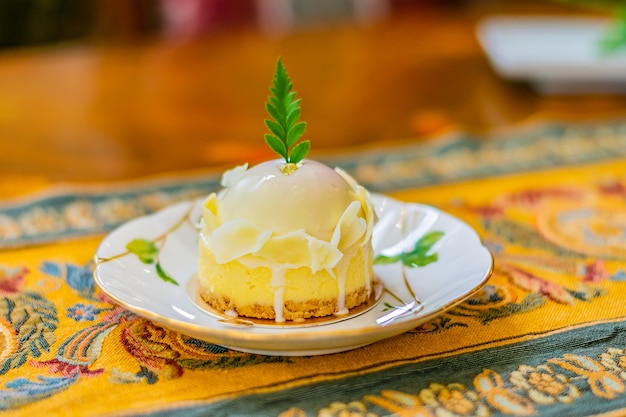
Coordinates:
110	90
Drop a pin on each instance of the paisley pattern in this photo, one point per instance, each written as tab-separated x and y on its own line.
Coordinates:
28	322
546	335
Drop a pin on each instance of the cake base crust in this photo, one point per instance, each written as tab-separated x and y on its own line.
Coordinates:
292	310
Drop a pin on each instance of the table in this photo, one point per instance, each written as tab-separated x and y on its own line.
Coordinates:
118	131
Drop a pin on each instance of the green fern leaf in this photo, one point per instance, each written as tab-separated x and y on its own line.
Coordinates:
272	110
276	145
284	109
275	128
292	117
299	151
295	133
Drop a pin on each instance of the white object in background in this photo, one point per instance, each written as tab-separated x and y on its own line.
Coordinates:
555	54
279	17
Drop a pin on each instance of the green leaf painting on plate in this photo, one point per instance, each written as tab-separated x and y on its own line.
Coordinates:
145	250
420	255
148	253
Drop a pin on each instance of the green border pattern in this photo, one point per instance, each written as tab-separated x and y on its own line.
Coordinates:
74	212
581	364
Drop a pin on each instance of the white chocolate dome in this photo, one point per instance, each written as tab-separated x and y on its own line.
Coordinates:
312	198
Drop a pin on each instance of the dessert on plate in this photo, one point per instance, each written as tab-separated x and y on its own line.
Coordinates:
290	238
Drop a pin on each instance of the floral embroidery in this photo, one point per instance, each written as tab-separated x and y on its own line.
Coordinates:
437	324
165	353
83	312
9	228
400	403
28	320
615	361
79	215
595	272
532	198
522	282
526	236
491	296
293	412
613	187
619	276
41	220
12	279
79	278
543	385
528	388
78	352
452	400
27	324
535	284
59	367
116	210
490	386
353	409
603	384
498	298
148	344
22	391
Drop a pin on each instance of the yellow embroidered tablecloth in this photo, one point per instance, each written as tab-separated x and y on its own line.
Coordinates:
545	336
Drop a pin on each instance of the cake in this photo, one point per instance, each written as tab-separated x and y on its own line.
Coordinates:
286	247
288	239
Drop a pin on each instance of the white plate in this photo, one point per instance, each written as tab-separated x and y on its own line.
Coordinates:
463	266
556	54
